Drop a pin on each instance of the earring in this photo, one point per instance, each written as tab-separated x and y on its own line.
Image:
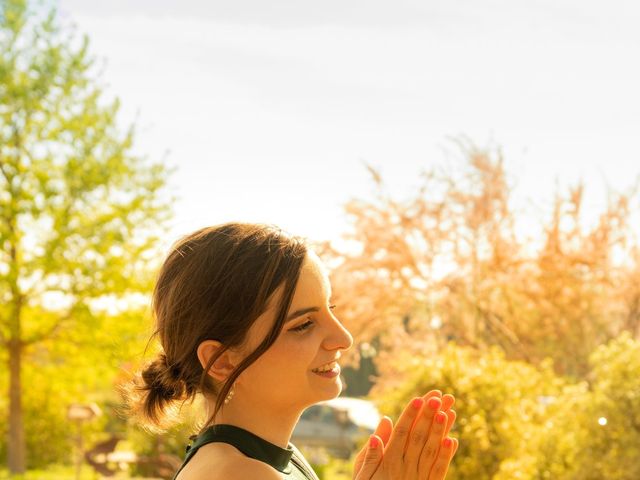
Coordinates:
232	391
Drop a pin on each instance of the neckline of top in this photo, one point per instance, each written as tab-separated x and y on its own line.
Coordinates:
248	443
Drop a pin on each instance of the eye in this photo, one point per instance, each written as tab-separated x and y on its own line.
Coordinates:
308	323
302	326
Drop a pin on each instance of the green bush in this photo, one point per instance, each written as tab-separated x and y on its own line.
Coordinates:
598	424
498	402
517	421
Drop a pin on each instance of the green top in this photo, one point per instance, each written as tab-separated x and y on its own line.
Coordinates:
289	461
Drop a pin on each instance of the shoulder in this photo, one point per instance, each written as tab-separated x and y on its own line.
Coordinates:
234	470
222	461
243	468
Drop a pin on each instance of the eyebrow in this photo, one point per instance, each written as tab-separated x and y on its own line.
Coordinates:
301	312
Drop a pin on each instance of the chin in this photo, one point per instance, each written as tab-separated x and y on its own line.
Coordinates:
326	389
333	392
321	398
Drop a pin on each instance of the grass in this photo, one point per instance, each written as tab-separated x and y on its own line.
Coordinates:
62	472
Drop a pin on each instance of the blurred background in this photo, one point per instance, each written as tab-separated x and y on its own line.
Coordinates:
468	171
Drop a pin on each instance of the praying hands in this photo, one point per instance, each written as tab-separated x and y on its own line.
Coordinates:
418	448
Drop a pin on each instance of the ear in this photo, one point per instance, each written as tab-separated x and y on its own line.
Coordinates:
224	364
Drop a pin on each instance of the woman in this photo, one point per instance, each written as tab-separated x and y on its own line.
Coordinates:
244	317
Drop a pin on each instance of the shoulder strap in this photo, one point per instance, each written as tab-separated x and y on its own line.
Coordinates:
190	452
301	463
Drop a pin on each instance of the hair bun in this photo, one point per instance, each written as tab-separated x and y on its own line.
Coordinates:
163	379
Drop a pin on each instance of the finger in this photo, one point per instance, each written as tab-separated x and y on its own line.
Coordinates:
430	450
455	446
357	463
441	464
427	413
395	448
451	418
447	401
420	434
432	393
372	458
383	430
385	427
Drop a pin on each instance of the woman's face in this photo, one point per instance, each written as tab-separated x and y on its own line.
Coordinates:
286	375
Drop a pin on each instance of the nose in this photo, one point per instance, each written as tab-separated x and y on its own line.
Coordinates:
338	338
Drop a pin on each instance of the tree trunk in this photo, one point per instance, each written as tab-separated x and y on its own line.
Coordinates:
16	441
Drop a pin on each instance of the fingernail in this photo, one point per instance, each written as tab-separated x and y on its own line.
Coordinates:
373	442
440	417
417	402
434	403
448	442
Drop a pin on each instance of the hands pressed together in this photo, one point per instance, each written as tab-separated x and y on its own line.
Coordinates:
418	448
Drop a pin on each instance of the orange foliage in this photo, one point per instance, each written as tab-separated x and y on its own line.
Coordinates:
449	257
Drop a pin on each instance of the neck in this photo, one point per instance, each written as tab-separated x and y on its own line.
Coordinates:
275	425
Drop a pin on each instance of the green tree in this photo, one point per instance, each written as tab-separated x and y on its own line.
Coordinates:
80	213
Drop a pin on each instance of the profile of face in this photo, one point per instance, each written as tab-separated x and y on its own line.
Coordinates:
286	376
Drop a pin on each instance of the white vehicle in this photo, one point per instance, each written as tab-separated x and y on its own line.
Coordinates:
337	425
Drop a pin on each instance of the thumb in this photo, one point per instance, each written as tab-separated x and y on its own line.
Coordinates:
372	458
383	430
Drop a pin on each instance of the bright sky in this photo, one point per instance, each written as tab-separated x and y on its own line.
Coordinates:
269	108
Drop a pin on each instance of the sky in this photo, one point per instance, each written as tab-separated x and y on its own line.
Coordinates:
269	110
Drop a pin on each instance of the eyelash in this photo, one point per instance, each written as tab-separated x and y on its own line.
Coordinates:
308	323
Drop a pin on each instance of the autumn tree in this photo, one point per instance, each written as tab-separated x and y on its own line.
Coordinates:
412	257
80	213
446	263
580	293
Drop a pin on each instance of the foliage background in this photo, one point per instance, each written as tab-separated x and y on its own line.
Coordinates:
537	338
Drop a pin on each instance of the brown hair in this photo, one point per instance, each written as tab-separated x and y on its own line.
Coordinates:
213	284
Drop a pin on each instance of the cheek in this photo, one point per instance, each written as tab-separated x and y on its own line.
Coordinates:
289	354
